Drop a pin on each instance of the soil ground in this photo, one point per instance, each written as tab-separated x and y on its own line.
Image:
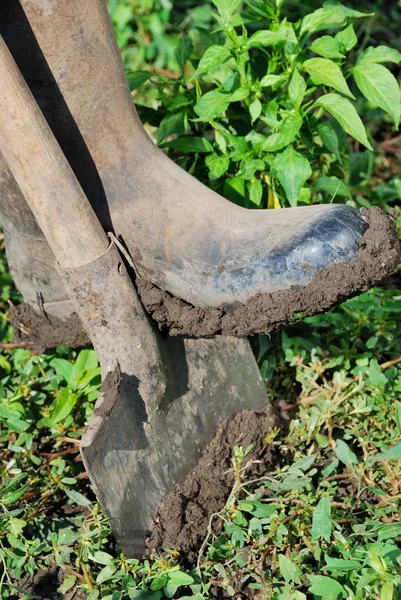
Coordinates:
183	517
45	583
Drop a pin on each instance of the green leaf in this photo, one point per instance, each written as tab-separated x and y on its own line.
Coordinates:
213	57
159	581
217	165
376	561
389	531
392	453
270	113
341	564
376	375
292	172
342	110
78	498
105	574
234	190
238	143
12	484
170	124
380	87
86	360
297	88
16	526
5	364
387	591
327	46
255	108
266	38
179	101
62	367
249	166
289	570
138	78
271	79
169	590
179	578
239	94
212	105
333	186
329	138
226	7
257	508
12	497
68	583
190	144
290	127
13	420
102	558
345	454
326	72
321	522
379	54
326	587
255	192
183	51
347	38
64	405
331	16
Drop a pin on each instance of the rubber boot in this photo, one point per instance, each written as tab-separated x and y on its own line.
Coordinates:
183	237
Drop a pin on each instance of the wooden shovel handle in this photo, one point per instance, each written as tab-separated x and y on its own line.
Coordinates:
43	174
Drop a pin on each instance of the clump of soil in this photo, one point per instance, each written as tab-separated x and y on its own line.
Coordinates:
183	517
377	256
39	331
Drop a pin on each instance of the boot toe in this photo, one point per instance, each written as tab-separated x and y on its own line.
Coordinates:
333	238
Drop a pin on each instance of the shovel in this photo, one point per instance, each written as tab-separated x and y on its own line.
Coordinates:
161	400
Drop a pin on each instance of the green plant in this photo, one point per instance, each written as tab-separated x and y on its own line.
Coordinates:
265	109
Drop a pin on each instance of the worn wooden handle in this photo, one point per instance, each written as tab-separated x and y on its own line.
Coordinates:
43	173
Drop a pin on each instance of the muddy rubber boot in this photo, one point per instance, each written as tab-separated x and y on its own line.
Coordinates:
184	238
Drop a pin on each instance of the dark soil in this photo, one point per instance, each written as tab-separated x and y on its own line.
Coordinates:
183	517
391	282
377	257
45	583
38	331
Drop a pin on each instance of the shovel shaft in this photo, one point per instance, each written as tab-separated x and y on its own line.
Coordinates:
44	174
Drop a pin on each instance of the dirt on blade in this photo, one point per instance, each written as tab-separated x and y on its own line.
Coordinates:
183	517
377	256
